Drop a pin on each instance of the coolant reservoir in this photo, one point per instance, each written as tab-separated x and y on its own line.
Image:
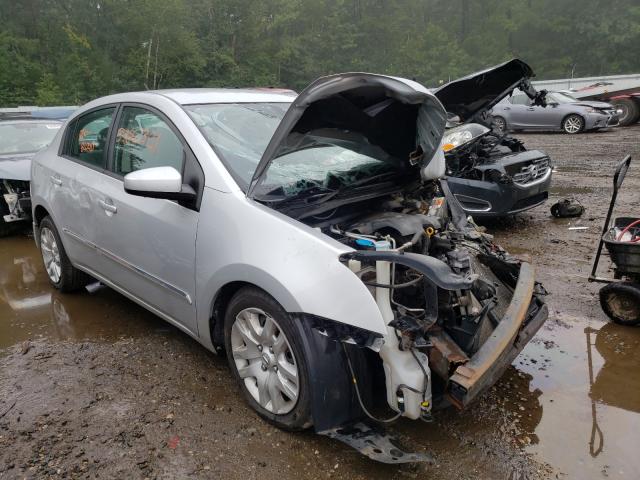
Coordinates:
401	368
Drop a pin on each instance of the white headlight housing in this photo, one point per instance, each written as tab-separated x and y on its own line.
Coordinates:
461	135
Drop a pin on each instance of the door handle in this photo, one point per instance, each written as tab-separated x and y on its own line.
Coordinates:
108	207
531	109
507	108
55	180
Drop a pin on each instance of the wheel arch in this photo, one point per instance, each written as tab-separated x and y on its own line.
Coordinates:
579	114
225	291
39	212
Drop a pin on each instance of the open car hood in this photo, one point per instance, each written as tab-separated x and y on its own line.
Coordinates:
481	91
395	114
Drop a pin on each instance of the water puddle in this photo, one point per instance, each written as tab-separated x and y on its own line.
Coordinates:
588	377
30	308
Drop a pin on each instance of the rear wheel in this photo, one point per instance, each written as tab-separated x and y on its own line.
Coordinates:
630	111
573	123
621	302
265	354
62	274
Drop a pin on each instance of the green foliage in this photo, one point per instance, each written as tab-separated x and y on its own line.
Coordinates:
70	51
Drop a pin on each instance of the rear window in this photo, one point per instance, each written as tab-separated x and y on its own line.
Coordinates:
26	137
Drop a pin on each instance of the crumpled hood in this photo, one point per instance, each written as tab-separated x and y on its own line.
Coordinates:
16	167
394	114
470	95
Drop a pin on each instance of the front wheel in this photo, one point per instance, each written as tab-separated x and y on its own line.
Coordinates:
265	354
573	124
621	302
62	274
500	124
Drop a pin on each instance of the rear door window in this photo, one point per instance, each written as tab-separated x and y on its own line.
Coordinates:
89	135
145	140
520	100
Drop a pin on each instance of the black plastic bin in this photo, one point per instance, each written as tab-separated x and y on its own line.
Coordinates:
625	255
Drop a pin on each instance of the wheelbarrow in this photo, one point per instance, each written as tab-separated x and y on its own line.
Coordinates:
620	298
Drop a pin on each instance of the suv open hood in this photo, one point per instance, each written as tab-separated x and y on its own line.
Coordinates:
396	114
481	91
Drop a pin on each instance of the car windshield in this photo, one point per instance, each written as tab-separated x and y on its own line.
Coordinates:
26	137
560	97
238	132
324	159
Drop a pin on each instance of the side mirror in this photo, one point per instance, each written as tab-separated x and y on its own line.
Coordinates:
553	104
158	182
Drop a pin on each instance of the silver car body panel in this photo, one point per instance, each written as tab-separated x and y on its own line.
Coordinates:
178	271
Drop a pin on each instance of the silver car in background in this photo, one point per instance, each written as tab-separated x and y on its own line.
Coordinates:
308	237
563	112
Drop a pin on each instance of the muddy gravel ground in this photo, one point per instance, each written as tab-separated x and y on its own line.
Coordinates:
93	386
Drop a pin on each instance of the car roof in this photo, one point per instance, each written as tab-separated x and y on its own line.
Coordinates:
23	120
192	96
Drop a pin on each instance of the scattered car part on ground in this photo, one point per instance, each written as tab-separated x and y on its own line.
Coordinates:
332	264
567	208
23	132
563	112
620	298
491	173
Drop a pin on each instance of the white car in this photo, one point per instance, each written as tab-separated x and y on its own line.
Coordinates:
307	236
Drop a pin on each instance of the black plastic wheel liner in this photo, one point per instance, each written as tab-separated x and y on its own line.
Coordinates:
334	406
333	400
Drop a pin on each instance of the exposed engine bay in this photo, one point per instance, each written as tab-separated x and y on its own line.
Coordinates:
16	196
442	286
476	152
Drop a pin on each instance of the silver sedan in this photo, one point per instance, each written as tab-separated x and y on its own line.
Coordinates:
308	237
563	112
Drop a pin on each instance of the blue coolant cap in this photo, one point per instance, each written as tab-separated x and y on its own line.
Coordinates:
363	242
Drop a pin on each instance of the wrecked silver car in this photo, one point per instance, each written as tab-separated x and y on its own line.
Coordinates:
309	237
23	132
491	173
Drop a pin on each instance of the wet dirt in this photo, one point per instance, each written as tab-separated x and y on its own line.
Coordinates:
91	385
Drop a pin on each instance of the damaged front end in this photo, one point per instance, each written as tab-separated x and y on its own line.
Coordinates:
491	173
452	299
359	157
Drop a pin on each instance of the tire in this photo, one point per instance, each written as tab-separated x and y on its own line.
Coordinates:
61	273
630	111
573	124
621	302
500	124
258	360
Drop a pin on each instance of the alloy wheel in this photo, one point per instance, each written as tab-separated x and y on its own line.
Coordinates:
265	361
50	254
573	124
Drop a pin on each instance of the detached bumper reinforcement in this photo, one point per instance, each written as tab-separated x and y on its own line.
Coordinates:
375	444
503	346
